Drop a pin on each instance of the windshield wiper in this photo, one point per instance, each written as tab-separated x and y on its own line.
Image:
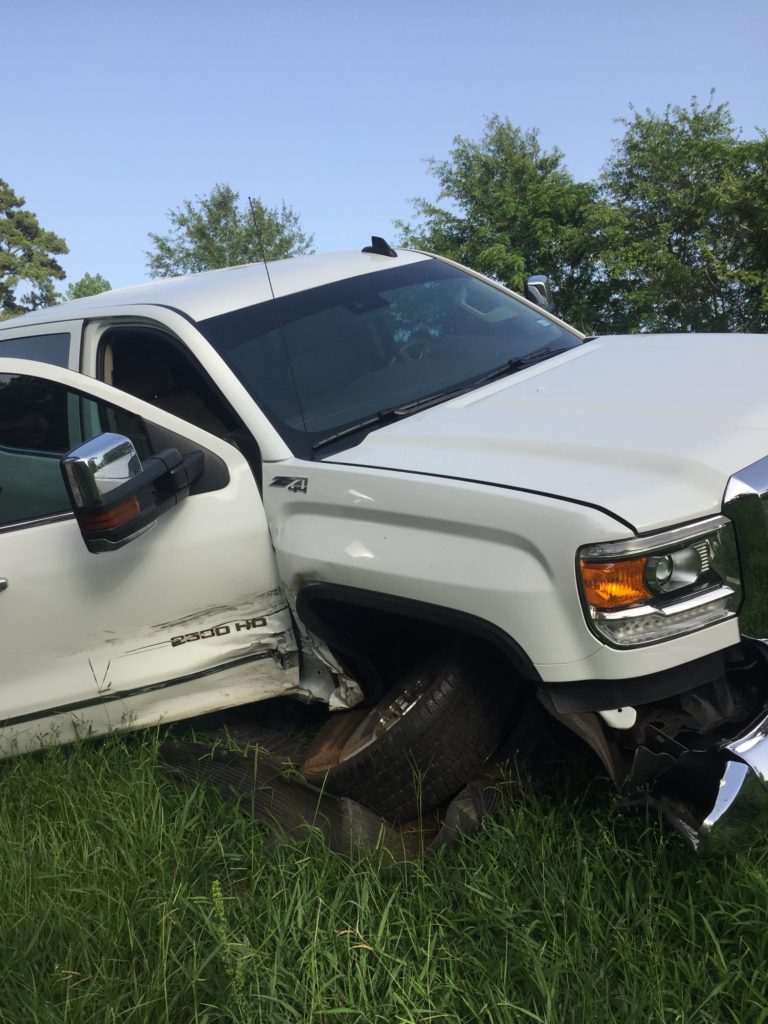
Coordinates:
511	366
518	363
377	420
380	419
385	416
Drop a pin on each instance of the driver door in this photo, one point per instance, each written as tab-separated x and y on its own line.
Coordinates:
182	620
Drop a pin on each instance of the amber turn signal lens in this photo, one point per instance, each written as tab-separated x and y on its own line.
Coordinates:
615	584
118	516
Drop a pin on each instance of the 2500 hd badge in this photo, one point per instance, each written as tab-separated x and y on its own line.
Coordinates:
223	630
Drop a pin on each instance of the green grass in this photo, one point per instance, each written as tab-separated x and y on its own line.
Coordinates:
127	899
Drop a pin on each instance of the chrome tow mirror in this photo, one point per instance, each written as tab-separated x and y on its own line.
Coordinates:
539	290
116	497
98	466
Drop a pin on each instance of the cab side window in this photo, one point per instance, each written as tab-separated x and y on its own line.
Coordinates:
40	421
147	363
150	364
44	348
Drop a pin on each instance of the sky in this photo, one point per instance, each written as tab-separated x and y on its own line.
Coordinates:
119	111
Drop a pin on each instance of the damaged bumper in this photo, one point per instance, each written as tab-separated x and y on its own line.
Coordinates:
740	792
699	756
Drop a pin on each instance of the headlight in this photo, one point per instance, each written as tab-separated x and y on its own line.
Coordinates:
654	588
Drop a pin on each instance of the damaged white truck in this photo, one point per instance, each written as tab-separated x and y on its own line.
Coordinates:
380	480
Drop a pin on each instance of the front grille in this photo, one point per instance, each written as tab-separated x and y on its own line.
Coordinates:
746	504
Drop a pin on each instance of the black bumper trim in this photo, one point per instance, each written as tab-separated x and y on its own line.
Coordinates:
606	694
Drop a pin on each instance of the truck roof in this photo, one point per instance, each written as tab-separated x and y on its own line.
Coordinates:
199	296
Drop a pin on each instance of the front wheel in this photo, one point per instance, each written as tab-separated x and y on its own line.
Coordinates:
421	742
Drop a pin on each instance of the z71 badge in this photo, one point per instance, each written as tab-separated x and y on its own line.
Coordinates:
292	483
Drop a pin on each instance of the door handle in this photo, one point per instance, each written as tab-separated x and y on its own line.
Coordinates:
3	583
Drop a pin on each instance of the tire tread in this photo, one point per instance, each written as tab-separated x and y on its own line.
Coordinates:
431	752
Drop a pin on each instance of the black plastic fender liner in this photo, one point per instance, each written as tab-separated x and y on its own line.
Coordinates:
310	599
589	728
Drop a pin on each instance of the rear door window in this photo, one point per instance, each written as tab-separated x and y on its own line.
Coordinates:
43	348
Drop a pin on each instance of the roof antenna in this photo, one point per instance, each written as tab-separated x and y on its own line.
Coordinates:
257	226
276	305
380	247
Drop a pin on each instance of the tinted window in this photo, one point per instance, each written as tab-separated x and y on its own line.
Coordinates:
44	348
324	360
39	422
251	342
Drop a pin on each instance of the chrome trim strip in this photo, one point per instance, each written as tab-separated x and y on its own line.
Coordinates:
655	542
745	502
696	601
752	749
669	610
25	524
747	482
733	779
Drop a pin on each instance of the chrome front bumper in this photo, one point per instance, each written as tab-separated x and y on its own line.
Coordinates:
742	796
745	503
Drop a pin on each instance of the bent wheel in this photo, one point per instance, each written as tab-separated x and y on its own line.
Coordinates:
421	743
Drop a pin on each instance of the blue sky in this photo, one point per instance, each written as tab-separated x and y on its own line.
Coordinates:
119	111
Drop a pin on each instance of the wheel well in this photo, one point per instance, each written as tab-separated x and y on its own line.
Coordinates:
377	637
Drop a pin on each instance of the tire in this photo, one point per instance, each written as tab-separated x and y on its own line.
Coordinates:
421	742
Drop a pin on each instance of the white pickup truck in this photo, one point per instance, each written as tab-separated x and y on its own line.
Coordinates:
380	480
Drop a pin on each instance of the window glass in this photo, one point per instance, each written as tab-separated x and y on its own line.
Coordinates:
44	348
40	421
331	360
251	341
151	365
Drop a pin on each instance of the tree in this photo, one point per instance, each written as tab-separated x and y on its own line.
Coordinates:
89	284
214	231
26	257
674	235
746	203
693	203
513	209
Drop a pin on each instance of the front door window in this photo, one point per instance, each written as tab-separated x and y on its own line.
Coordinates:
41	420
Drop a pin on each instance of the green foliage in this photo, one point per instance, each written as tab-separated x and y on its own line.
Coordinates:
693	202
89	284
26	257
214	231
513	210
747	200
674	236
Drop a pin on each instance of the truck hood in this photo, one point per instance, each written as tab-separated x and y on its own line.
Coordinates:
647	427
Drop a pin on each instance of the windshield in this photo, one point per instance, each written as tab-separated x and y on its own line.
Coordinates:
323	360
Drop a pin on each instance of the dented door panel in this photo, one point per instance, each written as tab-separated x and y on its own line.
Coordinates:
187	617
